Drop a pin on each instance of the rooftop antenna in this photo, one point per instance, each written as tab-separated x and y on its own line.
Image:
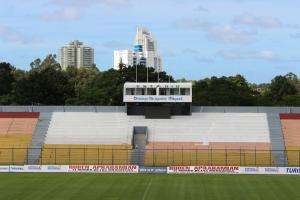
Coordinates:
147	74
136	74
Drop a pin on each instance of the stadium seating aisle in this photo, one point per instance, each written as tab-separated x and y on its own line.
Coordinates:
291	131
16	129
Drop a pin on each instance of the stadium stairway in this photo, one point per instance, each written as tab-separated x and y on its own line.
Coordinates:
277	141
38	138
139	143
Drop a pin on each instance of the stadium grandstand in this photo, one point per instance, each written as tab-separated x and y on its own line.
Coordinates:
158	126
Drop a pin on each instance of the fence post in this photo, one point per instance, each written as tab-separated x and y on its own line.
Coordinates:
270	157
299	158
98	155
112	155
182	155
55	155
168	155
12	154
69	156
226	156
41	156
153	156
173	159
240	156
27	155
255	156
127	157
84	156
211	156
196	156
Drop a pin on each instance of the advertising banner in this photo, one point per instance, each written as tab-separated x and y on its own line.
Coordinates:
203	170
270	170
4	168
103	168
16	168
46	168
55	168
153	170
292	170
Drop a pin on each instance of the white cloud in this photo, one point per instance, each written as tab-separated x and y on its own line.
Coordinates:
115	45
196	55
186	23
67	13
262	22
232	34
82	3
75	9
8	34
249	54
201	9
220	33
295	35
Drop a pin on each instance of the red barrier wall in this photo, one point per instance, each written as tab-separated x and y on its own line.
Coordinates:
290	116
19	115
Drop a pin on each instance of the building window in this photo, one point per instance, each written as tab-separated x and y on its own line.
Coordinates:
174	91
140	91
162	91
185	91
151	91
130	91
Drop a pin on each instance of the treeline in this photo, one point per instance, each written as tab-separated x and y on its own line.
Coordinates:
47	84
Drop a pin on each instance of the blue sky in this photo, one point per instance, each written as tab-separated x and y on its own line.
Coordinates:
197	38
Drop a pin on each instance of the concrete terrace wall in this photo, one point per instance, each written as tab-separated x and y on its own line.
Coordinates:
196	109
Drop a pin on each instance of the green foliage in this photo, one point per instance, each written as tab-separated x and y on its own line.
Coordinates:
6	78
280	87
47	84
229	91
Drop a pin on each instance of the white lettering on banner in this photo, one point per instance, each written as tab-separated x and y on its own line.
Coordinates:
104	168
141	98
4	168
203	169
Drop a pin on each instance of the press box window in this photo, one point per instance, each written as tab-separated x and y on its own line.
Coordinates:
163	91
151	91
185	91
174	91
140	91
130	91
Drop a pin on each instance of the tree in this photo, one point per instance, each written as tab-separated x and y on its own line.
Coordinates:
45	84
6	78
223	91
280	87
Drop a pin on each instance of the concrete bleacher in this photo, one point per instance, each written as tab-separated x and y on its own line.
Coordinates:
16	129
87	137
103	135
290	124
208	138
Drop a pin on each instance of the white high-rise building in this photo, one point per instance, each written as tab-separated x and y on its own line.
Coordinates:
144	52
76	54
124	56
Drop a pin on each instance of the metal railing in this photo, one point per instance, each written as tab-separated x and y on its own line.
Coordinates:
149	157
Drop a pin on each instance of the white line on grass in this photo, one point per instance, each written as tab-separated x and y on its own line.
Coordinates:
147	189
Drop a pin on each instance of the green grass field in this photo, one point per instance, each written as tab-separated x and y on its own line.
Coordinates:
145	187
